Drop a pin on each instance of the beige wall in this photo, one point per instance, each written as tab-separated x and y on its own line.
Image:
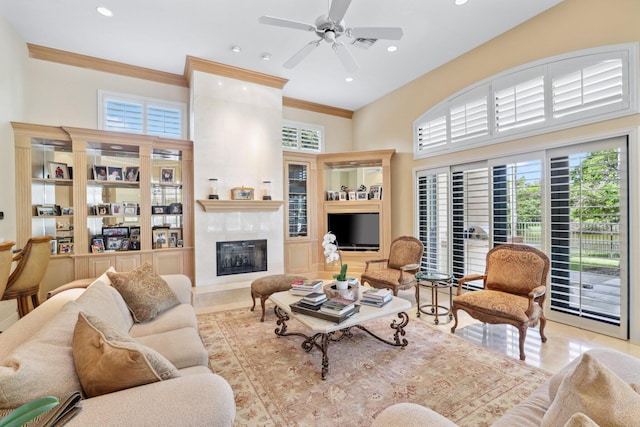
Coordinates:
572	25
338	131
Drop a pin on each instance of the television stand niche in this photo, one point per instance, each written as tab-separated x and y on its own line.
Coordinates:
353	170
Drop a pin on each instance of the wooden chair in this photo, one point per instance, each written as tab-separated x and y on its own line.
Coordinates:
24	281
6	260
515	284
398	272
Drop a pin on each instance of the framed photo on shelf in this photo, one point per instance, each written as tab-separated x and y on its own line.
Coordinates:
124	245
114	173
375	191
160	237
113	243
175	233
352	195
342	195
115	231
116	209
172	242
65	247
58	170
179	244
67	211
362	195
99	173
97	244
103	210
167	175
174	208
242	193
129	210
131	173
158	210
134	234
46	210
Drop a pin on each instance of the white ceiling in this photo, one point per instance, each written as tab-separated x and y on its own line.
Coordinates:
159	34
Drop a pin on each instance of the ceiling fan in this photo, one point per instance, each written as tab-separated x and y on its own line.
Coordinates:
331	28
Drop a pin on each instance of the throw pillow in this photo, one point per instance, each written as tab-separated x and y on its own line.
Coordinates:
42	365
108	360
580	420
105	302
593	389
145	292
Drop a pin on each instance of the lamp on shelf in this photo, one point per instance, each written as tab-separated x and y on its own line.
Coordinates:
213	188
266	190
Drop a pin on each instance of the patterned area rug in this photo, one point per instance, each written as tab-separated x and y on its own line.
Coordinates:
277	383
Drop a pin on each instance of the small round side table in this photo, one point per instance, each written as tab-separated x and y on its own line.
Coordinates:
434	281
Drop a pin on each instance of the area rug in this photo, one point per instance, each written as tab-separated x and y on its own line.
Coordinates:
277	383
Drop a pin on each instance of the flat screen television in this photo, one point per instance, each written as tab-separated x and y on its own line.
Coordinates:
358	231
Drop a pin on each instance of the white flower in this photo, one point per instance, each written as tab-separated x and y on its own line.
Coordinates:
330	247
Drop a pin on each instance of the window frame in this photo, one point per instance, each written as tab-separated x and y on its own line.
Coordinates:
301	126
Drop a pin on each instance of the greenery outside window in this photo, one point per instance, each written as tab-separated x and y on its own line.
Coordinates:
302	137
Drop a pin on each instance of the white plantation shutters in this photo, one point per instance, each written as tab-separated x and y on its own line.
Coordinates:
124	113
302	136
433	218
469	120
520	105
432	134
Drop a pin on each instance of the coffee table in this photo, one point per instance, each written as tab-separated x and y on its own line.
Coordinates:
324	331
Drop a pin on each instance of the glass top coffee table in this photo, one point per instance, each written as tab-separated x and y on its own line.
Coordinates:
321	331
434	280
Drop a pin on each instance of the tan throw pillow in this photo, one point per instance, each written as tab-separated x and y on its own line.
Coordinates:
145	292
594	390
108	360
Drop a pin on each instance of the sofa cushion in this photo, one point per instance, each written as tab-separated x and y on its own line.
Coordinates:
43	365
178	317
593	389
580	420
182	347
103	301
108	360
144	291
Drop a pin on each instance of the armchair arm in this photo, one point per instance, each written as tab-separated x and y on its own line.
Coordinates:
534	294
468	278
18	256
374	261
538	292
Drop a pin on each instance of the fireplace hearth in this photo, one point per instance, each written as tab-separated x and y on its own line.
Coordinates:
241	256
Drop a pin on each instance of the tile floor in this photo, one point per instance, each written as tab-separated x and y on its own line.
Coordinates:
564	342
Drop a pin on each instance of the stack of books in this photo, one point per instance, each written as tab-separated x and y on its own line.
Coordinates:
313	301
338	306
306	286
376	297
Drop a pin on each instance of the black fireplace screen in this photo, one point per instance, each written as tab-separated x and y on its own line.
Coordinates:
242	256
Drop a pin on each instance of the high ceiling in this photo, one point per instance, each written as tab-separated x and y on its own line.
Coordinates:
160	34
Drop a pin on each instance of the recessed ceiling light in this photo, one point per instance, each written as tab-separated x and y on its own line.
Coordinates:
459	2
348	79
266	57
236	49
104	11
392	48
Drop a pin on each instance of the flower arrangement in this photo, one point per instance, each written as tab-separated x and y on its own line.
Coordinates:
332	252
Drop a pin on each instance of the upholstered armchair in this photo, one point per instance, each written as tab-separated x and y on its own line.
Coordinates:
398	272
6	259
514	288
24	281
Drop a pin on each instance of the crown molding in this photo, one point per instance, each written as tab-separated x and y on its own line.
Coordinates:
198	64
318	108
93	63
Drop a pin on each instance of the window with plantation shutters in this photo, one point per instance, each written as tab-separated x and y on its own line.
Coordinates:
569	90
433	217
124	113
302	137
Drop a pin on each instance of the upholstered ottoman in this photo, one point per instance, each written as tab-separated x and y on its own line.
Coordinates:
263	287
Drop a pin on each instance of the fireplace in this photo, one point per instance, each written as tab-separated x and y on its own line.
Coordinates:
241	256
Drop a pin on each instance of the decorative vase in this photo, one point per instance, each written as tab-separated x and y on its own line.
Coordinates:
342	284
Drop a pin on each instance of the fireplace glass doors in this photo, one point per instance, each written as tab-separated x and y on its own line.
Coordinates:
241	256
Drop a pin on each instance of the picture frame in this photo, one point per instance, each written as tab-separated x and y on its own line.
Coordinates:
167	175
175	233
172	242
115	231
124	246
158	210
342	195
54	246
131	173
67	211
114	173
242	193
129	210
99	173
160	237
362	195
174	208
58	170
113	243
103	210
179	244
97	244
134	234
375	191
65	247
352	195
45	210
116	209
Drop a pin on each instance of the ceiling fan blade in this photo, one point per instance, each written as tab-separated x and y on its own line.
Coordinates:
348	61
286	23
338	9
384	33
301	54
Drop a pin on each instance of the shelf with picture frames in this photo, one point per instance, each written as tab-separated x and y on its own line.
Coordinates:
82	170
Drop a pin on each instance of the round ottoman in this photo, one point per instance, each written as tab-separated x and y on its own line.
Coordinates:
263	287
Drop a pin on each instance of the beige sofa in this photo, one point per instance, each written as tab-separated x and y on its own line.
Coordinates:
531	411
36	359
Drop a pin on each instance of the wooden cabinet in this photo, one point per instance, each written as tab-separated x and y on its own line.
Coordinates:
300	213
364	179
110	199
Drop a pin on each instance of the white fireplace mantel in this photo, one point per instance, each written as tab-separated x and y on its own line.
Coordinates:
209	205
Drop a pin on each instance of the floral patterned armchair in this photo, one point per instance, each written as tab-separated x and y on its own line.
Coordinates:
515	284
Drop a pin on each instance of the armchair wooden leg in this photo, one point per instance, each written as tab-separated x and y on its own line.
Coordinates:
523	336
262	301
253	297
454	311
543	322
